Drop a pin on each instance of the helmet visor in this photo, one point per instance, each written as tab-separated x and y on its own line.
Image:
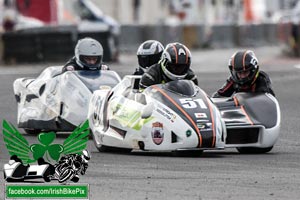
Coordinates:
90	61
243	76
146	61
178	69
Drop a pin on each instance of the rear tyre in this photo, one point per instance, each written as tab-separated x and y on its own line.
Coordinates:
254	150
32	131
65	175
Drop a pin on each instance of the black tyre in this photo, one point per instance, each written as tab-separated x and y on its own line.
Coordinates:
47	178
104	148
101	148
254	150
32	131
65	175
187	153
14	180
48	174
75	179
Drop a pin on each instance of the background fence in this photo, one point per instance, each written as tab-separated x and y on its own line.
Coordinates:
57	43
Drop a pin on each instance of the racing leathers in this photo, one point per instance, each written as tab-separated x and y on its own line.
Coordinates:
155	75
139	71
72	65
261	84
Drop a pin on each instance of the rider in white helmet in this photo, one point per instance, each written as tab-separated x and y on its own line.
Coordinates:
88	56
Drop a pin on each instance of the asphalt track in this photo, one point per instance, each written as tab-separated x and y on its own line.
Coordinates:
212	175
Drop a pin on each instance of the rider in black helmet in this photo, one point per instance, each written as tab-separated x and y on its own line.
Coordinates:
173	65
245	76
148	54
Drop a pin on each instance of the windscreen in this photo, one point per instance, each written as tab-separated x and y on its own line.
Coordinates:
94	79
184	87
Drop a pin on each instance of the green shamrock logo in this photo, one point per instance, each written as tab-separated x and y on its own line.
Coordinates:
17	145
53	150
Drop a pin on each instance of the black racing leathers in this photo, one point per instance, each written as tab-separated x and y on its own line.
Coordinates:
72	65
138	72
261	84
155	75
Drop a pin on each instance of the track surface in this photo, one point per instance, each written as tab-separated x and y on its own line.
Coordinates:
212	175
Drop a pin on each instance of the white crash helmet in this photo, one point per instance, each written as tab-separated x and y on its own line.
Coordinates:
149	53
88	47
175	61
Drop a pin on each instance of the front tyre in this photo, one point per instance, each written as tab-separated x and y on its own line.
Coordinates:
103	148
253	150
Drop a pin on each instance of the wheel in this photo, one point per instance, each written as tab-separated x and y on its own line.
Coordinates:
75	179
254	150
187	153
49	173
32	131
101	148
14	180
47	178
65	175
104	148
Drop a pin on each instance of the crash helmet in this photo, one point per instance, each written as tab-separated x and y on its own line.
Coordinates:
243	66
89	53
85	155
149	53
175	61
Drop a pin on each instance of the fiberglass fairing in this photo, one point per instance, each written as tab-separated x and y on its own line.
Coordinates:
56	100
124	117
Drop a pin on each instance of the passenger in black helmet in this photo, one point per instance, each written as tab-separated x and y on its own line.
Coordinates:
148	54
88	56
245	76
173	65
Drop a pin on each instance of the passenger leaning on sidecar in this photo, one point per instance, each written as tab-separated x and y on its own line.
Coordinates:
174	65
88	56
245	76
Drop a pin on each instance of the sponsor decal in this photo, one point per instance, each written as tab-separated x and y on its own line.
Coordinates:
167	114
157	133
61	162
128	117
188	133
104	87
204	126
200	126
202	120
200	115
